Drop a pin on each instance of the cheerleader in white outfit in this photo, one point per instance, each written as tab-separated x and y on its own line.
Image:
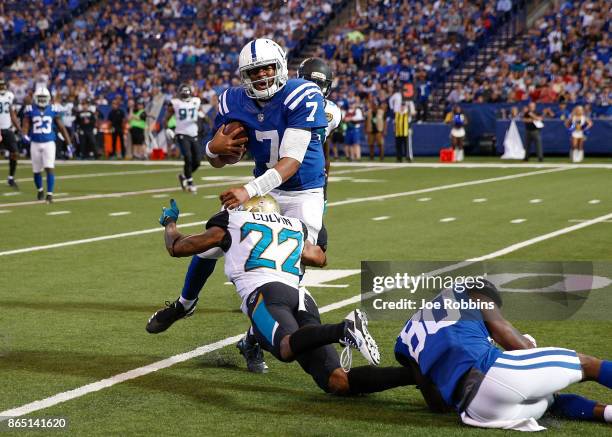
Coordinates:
578	124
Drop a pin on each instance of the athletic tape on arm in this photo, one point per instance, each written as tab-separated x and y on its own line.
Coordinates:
294	143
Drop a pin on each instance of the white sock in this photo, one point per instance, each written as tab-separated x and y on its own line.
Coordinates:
10	178
49	193
608	413
581	155
187	304
575	155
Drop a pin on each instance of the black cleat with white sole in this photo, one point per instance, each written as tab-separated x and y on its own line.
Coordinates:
164	318
357	336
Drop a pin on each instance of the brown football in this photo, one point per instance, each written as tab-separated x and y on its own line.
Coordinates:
229	128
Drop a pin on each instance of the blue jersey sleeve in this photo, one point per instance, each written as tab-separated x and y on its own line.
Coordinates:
305	107
223	109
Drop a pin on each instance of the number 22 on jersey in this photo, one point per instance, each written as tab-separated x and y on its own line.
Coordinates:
270	242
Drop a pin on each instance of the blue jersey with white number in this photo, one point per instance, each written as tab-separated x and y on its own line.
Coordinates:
447	342
42	128
299	104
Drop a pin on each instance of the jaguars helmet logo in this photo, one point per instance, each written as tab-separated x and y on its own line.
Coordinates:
329	117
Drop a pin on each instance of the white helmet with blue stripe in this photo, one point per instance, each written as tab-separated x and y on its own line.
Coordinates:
42	97
260	53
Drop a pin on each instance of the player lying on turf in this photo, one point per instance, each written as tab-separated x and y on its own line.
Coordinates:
489	387
263	255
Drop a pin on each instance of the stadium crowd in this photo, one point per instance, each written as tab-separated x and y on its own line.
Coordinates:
134	49
564	57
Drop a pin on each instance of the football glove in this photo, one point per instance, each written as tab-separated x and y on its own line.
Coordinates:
26	139
169	214
531	339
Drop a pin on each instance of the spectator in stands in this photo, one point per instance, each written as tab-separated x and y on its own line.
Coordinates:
117	119
533	124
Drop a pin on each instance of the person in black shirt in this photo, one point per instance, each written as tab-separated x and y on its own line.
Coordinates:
533	123
86	128
117	118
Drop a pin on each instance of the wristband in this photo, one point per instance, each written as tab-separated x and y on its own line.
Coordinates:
209	153
264	183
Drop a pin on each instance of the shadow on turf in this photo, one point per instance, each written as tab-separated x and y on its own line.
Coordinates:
96	306
273	399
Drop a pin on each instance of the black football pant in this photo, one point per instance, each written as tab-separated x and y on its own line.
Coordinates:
192	155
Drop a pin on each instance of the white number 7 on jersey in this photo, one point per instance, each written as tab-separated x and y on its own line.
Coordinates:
272	136
314	106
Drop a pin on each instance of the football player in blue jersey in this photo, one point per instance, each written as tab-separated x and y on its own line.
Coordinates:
450	350
39	124
281	117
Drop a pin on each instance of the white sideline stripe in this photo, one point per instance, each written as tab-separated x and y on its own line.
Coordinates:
98	175
58	212
247	163
343	202
446	187
94	239
119	213
202	350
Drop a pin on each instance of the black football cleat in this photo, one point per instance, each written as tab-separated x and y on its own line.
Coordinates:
40	195
12	183
182	181
357	336
253	355
49	198
165	317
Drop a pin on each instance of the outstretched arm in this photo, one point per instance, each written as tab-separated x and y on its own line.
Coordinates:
502	331
179	245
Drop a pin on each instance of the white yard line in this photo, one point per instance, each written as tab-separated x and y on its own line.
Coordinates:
113	195
343	202
446	187
98	175
378	219
202	350
94	239
224	181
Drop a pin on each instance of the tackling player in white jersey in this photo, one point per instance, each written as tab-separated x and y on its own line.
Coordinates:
8	142
186	110
264	253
